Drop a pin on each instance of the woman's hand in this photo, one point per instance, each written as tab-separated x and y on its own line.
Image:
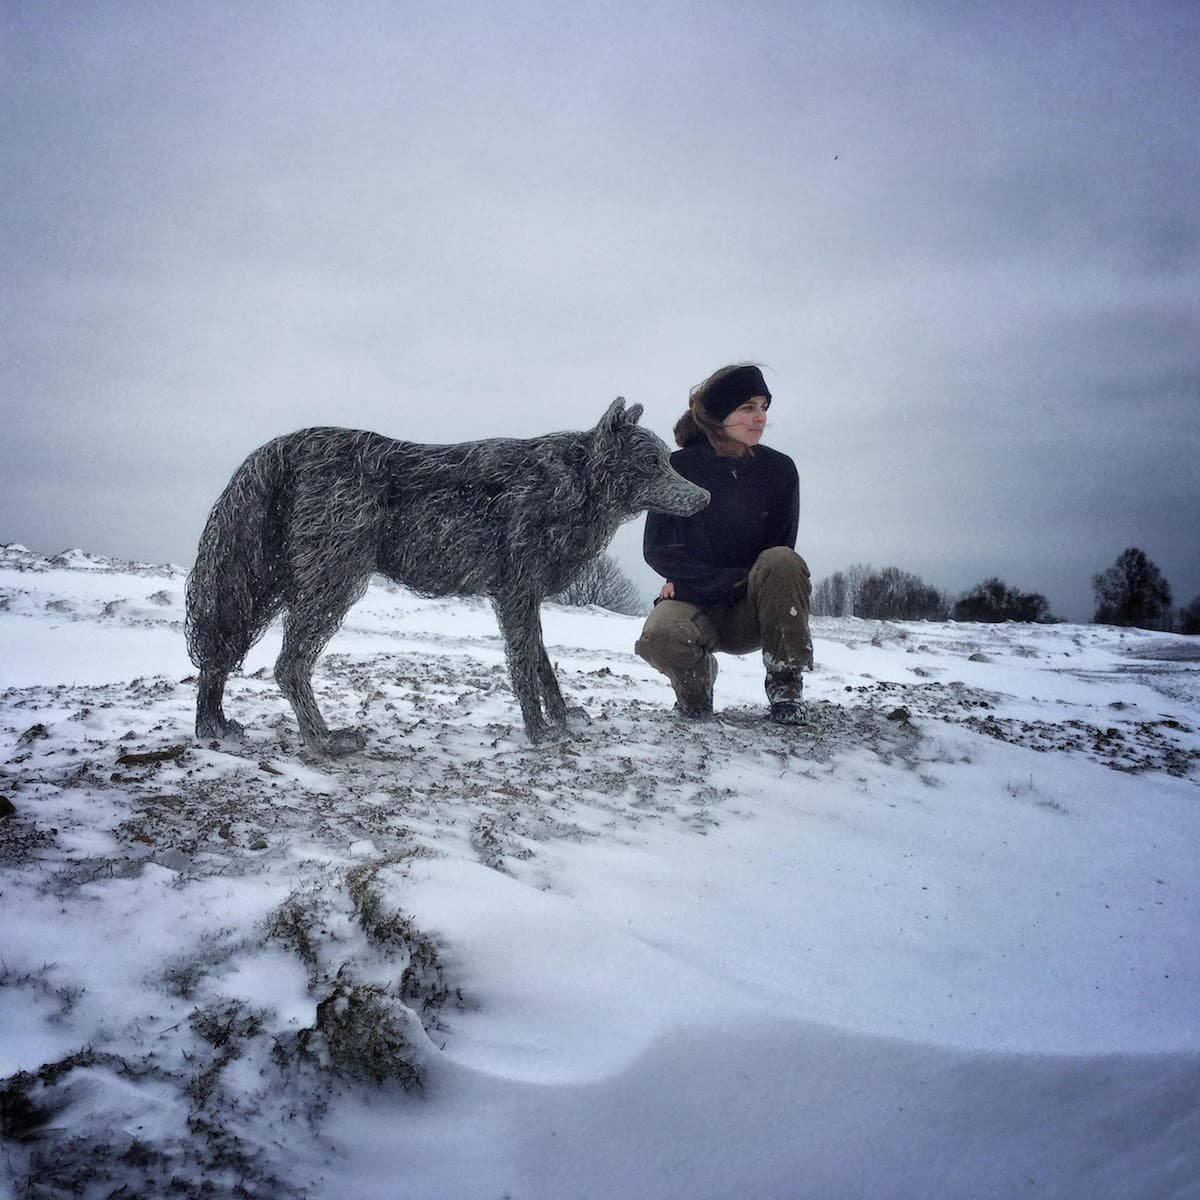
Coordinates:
667	592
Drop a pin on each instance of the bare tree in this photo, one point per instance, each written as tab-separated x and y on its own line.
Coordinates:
1132	592
856	575
603	583
891	594
879	594
831	597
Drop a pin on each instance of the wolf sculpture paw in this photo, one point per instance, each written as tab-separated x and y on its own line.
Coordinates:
221	728
340	742
547	733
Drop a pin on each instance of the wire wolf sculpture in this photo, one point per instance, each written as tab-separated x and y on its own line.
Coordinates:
307	519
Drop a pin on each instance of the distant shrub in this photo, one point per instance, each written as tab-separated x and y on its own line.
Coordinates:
994	600
603	583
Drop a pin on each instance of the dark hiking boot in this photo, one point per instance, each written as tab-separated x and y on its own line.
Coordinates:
785	684
695	699
785	694
787	712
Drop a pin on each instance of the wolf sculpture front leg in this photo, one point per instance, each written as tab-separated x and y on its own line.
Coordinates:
529	666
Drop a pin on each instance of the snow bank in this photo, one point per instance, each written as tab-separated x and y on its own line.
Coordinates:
938	941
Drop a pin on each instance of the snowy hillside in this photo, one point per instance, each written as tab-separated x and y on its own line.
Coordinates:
939	942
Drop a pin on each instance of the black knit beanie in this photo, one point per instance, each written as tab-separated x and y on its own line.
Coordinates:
731	391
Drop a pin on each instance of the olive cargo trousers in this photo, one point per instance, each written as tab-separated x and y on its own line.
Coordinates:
680	639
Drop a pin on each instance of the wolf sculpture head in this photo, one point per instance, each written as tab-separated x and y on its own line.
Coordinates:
638	463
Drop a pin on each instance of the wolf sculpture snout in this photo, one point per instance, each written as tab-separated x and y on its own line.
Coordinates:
680	498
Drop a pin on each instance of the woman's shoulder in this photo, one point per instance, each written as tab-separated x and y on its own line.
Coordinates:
697	448
776	460
695	455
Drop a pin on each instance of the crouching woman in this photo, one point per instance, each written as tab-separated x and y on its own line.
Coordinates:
734	581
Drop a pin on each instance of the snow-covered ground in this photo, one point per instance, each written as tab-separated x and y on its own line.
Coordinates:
942	941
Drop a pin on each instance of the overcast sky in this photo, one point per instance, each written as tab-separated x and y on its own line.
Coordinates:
963	238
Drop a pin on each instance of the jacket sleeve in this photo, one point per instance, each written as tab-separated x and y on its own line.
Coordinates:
665	548
786	517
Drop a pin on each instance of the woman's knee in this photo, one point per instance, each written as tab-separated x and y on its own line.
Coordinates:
670	640
781	560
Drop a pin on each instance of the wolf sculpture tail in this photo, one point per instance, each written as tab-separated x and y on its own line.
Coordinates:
234	590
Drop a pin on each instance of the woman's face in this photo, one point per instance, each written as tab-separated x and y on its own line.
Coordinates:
746	423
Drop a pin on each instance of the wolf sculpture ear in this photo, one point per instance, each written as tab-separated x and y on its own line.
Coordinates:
618	415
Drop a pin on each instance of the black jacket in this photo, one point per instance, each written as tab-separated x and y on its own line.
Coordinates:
755	505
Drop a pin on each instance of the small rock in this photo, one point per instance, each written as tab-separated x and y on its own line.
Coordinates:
151	756
259	843
899	714
173	860
7	807
979	657
32	734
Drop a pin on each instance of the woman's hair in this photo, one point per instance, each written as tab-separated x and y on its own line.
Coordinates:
723	390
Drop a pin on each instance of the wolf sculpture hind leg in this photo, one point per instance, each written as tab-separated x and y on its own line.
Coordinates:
221	628
211	721
220	636
306	632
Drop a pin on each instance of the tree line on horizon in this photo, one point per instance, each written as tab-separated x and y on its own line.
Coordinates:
1132	592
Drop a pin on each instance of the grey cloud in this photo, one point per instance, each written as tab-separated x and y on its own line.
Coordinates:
465	221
